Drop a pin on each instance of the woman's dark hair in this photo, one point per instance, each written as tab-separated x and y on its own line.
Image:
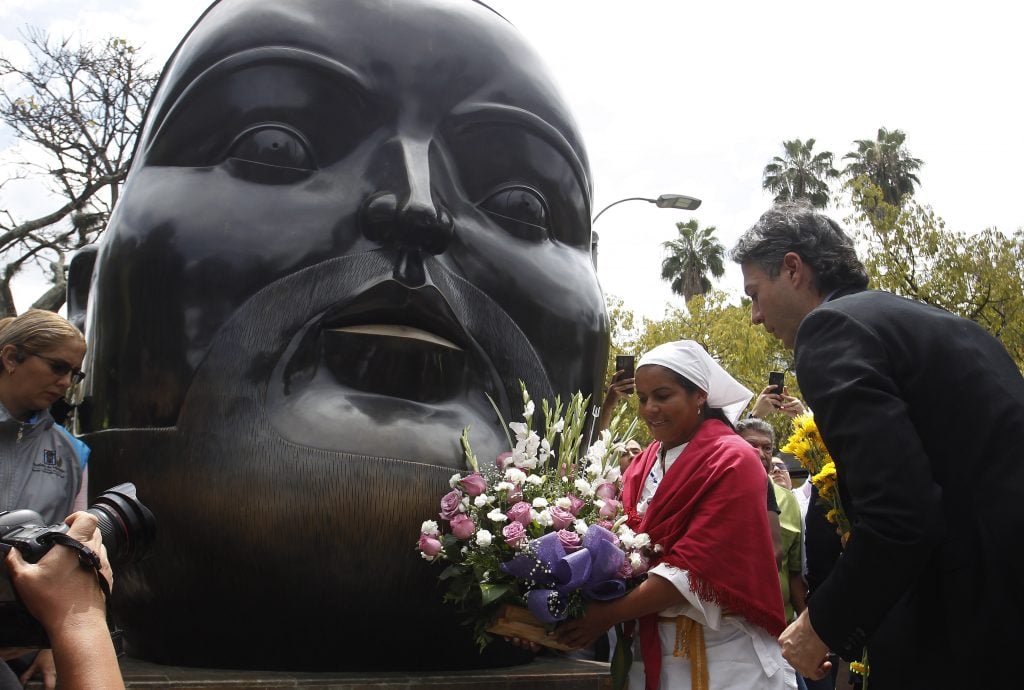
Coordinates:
708	412
795	226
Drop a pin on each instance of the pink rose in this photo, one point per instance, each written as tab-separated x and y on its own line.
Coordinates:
606	490
575	504
560	517
462	526
520	513
570	541
514	533
609	510
429	546
504	460
516	494
625	570
474	484
450	504
607	524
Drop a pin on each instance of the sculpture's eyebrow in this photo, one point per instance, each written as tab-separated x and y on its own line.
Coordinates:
265	55
488	112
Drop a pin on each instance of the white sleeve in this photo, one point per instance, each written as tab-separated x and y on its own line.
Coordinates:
704	612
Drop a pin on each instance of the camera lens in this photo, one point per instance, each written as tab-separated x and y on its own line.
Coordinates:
128	528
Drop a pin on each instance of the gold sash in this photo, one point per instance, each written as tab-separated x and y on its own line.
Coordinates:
690	645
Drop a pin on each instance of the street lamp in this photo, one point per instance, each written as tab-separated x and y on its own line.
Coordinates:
680	201
685	203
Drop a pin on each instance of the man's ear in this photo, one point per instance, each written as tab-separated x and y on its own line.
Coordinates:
79	284
795	270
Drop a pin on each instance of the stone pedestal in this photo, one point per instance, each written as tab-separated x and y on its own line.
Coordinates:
545	672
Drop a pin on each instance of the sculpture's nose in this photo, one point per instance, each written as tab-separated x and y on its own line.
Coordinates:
407	217
410	225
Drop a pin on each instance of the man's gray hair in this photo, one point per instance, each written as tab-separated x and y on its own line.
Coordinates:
795	226
755	424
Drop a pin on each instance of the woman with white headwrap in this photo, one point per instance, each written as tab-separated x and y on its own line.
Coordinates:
710	609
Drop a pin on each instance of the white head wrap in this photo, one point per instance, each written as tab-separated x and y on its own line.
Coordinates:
688	359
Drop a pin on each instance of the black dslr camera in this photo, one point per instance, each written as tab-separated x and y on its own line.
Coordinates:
127	527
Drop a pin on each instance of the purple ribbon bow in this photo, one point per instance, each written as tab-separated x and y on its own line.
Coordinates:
552	574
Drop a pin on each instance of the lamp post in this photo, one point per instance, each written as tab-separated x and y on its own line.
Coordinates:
680	201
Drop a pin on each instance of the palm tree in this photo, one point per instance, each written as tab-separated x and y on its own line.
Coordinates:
691	256
800	174
887	163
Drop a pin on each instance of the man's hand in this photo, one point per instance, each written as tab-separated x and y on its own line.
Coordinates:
804	650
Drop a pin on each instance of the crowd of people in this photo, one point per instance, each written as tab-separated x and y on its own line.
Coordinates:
923	592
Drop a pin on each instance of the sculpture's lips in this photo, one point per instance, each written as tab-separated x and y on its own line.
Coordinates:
395	331
398	342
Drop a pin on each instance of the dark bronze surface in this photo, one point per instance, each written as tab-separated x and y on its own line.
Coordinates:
312	175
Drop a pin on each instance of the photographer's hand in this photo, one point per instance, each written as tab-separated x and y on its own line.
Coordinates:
43	665
66	599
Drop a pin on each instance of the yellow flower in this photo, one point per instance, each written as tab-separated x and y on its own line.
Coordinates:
858	668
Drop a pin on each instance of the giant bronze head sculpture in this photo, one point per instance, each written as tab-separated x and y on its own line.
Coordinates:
348	224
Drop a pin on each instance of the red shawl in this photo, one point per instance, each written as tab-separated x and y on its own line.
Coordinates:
709	517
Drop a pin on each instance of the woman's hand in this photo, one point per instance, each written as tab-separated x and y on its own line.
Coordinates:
581	632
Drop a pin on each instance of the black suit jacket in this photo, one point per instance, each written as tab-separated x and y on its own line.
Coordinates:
923	413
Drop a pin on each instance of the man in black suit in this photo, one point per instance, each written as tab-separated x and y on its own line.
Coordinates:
923	413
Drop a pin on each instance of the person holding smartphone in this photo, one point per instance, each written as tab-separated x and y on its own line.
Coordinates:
620	387
775	399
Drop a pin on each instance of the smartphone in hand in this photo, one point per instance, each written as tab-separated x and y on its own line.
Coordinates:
626	364
777	379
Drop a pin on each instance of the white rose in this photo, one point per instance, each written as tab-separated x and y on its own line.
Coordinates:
456	478
544	519
636	560
535	479
482	500
483	538
540	502
429	528
564	503
515	475
642	541
580	526
504	486
496	516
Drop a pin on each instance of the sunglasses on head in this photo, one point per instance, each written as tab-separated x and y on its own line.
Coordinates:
61	368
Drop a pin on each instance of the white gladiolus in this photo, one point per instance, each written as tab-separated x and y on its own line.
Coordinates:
528	410
584	487
483	537
558	426
429	528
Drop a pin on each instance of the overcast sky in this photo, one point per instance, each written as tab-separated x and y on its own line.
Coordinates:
696	97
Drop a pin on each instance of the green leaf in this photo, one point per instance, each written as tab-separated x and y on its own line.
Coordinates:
453	570
491	593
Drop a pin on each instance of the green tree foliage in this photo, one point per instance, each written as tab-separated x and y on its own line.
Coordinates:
910	252
75	111
694	254
886	161
800	174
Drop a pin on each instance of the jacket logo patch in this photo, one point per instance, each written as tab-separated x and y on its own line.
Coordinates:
52	463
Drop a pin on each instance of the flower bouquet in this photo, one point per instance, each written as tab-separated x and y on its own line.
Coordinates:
540	528
806	444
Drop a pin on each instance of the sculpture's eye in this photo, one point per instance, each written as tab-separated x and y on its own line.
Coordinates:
519	210
272	154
